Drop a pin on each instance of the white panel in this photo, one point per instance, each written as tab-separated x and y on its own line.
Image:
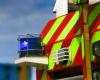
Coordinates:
33	73
61	7
93	1
38	60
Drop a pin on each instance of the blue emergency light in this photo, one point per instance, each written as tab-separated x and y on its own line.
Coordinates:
23	44
30	46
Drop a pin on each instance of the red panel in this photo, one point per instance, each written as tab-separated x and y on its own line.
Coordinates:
66	42
61	27
57	33
81	23
78	58
72	33
48	49
51	42
39	74
58	66
48	77
47	28
69	37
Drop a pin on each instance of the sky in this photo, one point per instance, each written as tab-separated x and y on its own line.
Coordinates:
21	17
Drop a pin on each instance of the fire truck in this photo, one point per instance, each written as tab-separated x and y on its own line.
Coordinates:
68	48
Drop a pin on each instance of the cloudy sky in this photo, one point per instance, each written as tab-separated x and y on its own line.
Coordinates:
21	17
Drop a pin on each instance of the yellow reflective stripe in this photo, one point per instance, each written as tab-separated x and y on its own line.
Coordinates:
56	46
82	45
92	55
68	63
96	37
92	16
76	1
78	32
69	26
74	47
53	29
98	27
44	75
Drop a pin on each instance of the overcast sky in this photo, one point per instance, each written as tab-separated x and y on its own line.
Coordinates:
21	17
